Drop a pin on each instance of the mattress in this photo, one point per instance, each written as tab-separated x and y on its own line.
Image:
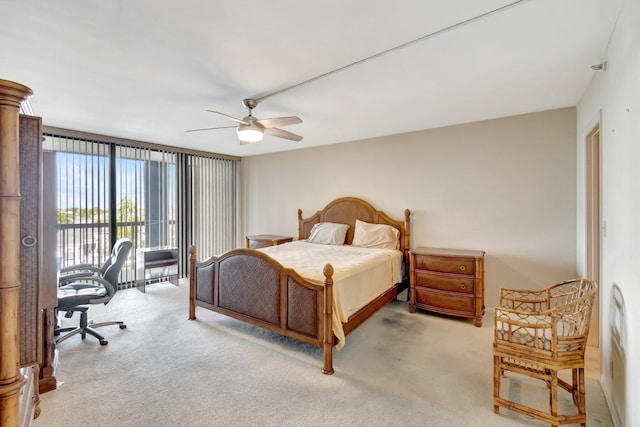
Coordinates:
360	274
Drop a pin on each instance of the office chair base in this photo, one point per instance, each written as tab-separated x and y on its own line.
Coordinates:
83	334
86	327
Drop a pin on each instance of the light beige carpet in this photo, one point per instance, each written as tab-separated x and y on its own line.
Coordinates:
165	370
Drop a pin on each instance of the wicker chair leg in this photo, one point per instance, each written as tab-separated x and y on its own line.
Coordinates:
576	387
582	404
553	392
497	372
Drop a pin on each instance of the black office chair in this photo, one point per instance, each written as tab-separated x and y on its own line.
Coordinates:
83	284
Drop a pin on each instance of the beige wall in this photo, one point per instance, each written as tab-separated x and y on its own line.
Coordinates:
614	95
506	186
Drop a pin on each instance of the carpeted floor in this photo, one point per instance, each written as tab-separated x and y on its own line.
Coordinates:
165	370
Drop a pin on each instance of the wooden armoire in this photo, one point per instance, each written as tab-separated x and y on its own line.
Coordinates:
28	273
38	296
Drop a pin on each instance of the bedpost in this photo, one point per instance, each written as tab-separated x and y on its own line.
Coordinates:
300	236
192	283
328	319
407	233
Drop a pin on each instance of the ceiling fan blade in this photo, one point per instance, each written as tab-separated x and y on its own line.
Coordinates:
282	134
229	117
279	121
221	127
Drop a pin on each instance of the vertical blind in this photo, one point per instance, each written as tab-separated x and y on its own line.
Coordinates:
214	204
145	182
155	197
82	198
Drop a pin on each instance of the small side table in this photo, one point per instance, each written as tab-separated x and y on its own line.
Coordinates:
264	240
449	281
164	259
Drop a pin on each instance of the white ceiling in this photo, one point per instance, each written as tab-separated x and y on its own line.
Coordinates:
148	69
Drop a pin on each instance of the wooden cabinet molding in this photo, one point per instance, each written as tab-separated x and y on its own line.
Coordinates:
11	380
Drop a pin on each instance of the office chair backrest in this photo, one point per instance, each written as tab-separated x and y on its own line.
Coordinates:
110	271
111	258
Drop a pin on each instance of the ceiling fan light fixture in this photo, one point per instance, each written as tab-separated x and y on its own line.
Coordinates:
249	133
252	129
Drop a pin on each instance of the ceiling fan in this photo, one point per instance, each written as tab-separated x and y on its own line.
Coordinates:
252	129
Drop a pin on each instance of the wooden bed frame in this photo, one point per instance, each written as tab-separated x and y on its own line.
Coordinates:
248	285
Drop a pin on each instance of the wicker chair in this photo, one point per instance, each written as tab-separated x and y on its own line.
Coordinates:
538	334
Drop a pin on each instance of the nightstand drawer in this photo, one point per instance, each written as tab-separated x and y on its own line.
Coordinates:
445	302
445	265
445	283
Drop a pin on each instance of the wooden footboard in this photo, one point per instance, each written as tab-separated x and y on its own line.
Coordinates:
248	285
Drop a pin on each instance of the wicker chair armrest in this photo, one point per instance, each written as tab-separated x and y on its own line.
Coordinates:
557	330
523	300
572	319
533	330
523	318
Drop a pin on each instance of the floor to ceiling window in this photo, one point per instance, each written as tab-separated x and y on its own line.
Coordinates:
82	187
214	213
155	197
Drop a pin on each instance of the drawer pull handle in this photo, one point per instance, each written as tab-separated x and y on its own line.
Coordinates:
29	241
463	287
462	268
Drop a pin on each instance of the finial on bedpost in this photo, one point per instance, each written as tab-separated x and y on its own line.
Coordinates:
300	236
328	273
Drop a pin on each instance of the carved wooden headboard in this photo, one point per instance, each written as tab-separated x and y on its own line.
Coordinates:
346	210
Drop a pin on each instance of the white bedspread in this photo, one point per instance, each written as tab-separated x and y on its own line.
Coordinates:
360	274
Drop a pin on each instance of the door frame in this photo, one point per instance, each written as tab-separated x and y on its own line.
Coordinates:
593	229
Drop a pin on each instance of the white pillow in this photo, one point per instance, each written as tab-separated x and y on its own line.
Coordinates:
383	236
328	233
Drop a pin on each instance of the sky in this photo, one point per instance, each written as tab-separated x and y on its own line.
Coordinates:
82	181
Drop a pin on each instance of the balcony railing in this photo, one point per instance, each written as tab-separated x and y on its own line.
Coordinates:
90	243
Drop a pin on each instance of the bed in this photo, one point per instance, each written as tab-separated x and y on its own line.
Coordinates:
301	294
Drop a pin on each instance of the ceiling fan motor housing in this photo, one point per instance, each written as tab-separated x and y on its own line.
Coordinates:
250	104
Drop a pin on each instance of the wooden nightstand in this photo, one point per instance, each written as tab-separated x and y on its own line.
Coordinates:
264	240
449	281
